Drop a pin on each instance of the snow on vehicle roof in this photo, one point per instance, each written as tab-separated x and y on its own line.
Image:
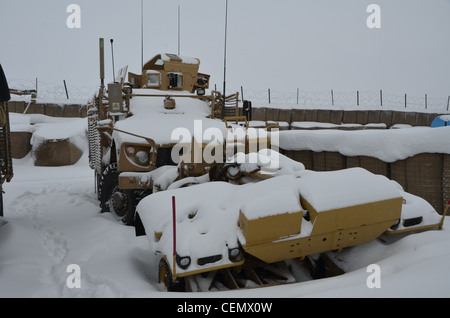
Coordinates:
150	118
175	57
387	145
207	214
329	190
184	59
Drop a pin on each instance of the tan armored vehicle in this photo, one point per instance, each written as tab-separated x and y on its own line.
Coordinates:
218	204
143	127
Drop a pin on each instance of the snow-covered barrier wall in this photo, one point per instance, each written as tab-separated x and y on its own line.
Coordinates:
417	158
341	116
75	110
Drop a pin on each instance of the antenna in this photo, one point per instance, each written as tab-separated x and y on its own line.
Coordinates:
225	52
142	34
178	30
112	53
102	61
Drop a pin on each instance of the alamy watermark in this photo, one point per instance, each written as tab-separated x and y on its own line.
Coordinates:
74	19
374	279
74	279
211	146
374	19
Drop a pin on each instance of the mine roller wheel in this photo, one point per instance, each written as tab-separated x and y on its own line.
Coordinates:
165	277
121	203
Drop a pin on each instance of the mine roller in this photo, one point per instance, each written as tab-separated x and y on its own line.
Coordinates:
221	207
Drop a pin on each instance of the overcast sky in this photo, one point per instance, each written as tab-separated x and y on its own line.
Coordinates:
314	45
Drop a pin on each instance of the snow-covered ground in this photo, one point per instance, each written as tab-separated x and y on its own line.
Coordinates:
53	220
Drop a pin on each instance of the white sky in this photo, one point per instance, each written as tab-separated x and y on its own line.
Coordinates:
282	45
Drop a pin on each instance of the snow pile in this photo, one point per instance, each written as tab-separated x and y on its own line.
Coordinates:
266	161
20	123
387	145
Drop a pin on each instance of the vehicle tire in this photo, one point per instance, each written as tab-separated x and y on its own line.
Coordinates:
108	181
165	277
121	203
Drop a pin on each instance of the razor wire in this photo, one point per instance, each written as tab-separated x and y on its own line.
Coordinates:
341	99
269	97
53	91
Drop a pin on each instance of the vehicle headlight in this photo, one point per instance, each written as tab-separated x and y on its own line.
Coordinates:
142	157
183	261
131	150
234	254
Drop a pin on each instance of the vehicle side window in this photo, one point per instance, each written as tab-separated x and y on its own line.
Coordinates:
175	80
153	79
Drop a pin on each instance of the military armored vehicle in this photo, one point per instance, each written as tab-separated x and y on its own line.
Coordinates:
220	206
145	126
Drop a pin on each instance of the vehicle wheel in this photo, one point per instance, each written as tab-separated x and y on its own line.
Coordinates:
108	181
122	203
165	276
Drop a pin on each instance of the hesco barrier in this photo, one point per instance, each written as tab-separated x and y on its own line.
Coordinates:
426	175
49	109
362	117
333	116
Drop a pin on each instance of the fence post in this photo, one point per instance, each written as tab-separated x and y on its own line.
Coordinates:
65	87
405	100
357	98
426	102
332	98
297	95
269	94
242	94
381	97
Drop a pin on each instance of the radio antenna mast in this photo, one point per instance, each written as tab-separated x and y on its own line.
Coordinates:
112	53
142	34
178	30
225	53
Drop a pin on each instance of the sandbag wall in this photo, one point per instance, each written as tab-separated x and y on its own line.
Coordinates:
426	175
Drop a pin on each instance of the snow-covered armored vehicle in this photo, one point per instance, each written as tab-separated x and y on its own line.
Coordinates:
219	205
140	130
218	235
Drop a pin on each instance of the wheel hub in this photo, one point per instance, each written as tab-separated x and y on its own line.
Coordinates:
119	203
